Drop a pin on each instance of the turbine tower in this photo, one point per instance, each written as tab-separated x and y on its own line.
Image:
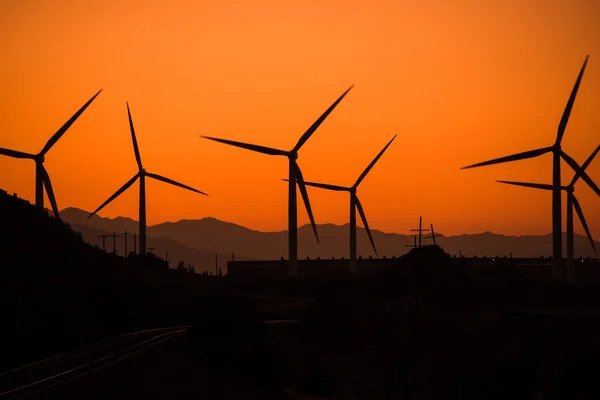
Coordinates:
558	153
142	174
572	202
354	204
295	176
42	179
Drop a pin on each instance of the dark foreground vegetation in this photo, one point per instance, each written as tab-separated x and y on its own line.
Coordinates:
422	328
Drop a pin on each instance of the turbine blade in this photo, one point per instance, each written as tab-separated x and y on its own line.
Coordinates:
364	220
304	192
67	125
116	194
324	186
565	117
582	220
318	122
585	165
16	154
50	191
248	146
172	182
530	185
515	157
366	171
580	171
136	149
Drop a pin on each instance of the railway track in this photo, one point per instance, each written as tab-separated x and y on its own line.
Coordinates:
35	377
75	364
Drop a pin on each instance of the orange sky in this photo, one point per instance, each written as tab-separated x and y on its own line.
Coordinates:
458	81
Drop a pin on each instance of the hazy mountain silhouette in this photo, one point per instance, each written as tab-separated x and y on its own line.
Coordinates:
224	237
200	259
76	216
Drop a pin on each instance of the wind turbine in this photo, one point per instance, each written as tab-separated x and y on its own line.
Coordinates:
295	176
571	203
557	153
354	204
142	174
42	179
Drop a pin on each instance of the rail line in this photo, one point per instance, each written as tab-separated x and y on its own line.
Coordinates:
78	363
68	366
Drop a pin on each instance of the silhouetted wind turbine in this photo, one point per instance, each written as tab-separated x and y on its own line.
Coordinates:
354	204
42	179
295	176
571	203
142	174
556	185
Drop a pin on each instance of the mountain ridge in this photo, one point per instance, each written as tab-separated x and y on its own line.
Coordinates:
200	259
224	237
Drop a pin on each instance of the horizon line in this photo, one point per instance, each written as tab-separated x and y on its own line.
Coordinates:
307	225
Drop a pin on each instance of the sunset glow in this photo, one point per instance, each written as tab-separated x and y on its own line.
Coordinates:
459	82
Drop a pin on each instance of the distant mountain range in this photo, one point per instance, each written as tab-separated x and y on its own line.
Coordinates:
197	241
174	251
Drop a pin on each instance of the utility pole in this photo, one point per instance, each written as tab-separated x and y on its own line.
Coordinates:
151	249
413	245
135	243
126	234
420	230
104	241
216	262
115	236
433	235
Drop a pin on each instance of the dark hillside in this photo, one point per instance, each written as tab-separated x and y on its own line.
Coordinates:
59	293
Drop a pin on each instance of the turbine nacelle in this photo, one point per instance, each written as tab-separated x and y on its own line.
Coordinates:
558	153
573	203
42	178
295	175
355	203
141	173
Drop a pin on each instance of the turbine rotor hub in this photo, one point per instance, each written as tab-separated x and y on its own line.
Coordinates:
41	158
294	156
